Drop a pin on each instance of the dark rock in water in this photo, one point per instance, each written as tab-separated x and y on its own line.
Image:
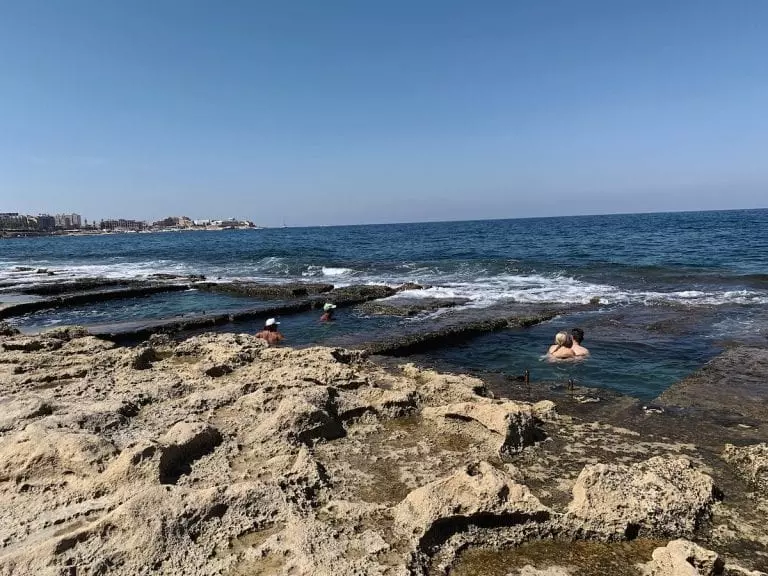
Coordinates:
80	285
409	307
7	330
188	277
350	295
411	286
266	291
452	328
731	386
24	269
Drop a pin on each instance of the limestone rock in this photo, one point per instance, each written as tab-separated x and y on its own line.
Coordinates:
683	558
751	462
513	421
474	492
545	410
31	344
162	528
662	495
184	443
14	410
529	570
303	417
143	358
41	455
221	354
67	333
305	478
438	389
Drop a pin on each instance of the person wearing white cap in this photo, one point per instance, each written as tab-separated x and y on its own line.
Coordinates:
270	333
328	309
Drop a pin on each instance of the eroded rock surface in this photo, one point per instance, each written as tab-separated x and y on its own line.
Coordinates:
685	558
473	494
751	462
218	455
661	496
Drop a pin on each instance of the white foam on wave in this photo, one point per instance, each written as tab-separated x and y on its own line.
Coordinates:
331	271
474	284
313	271
536	288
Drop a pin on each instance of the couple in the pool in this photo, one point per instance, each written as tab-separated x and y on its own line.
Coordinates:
568	345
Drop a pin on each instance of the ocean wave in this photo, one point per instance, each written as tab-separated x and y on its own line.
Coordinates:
472	280
330	271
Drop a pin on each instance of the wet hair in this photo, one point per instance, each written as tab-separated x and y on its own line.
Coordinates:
578	335
563	340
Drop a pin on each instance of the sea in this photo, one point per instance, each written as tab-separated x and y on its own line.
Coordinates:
674	289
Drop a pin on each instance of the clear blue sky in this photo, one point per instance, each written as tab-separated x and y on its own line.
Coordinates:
347	111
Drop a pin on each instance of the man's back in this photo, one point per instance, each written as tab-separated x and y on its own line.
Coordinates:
579	350
578	336
272	337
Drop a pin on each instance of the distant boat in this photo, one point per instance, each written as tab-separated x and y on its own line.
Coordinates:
284	224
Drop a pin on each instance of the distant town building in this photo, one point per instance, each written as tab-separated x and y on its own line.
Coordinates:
122	224
174	222
68	221
46	222
16	221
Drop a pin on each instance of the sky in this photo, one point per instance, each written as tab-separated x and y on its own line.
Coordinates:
361	111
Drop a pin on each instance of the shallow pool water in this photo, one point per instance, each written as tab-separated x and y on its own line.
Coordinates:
150	307
636	362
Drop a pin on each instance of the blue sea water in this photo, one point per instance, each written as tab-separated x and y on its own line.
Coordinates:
674	288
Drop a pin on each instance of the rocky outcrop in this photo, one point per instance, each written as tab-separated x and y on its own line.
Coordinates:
512	421
685	558
476	494
222	456
661	496
751	462
184	443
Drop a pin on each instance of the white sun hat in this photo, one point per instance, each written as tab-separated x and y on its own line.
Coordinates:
271	322
328	306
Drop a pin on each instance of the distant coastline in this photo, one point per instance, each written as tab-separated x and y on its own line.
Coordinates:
9	234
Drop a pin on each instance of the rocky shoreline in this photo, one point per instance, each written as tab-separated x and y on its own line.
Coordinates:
217	455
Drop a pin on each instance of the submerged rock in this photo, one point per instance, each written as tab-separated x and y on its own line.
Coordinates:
266	291
408	307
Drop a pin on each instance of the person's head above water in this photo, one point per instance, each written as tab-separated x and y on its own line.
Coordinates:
578	335
271	324
563	339
328	307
